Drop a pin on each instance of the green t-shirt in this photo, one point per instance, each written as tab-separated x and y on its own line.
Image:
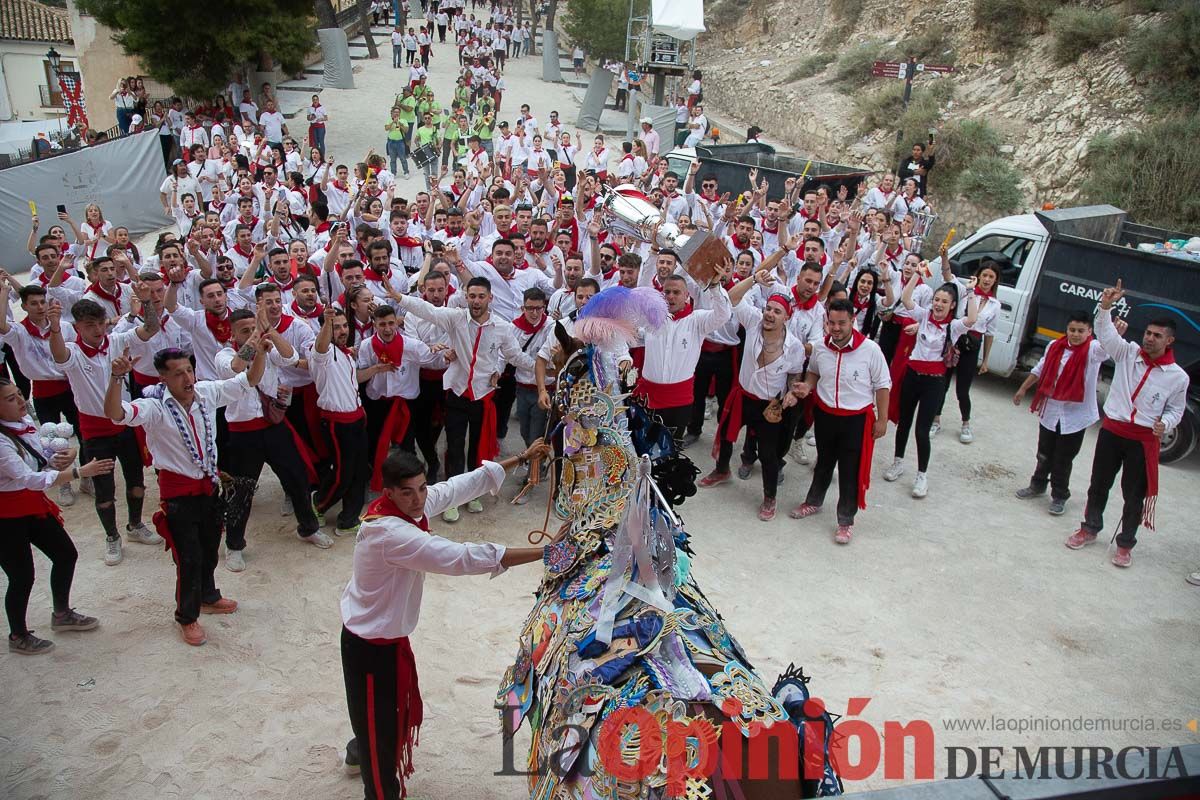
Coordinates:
430	107
396	130
483	131
450	130
426	135
408	109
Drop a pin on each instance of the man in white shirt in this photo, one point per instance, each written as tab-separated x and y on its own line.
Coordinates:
697	126
382	603
1065	403
273	124
650	138
181	434
397	47
1146	401
482	341
850	380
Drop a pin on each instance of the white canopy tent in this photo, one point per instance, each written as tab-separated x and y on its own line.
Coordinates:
682	19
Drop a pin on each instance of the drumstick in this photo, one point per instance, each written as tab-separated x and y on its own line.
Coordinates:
32	209
804	174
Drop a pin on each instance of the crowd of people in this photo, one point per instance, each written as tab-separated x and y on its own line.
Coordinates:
306	314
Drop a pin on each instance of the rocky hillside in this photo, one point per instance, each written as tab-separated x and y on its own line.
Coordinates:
801	72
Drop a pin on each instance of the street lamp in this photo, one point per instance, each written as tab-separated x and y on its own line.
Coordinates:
55	60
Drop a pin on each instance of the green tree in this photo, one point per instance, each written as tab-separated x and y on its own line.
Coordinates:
194	47
598	26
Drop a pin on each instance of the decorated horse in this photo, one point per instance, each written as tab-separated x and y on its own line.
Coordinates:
625	672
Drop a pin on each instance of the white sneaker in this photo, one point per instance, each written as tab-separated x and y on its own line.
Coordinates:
522	498
965	436
285	508
86	487
66	495
450	514
141	534
474	506
112	552
935	428
235	561
920	485
895	470
811	439
319	539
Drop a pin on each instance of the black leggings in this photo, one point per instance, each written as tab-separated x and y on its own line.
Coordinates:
769	440
712	365
16	559
124	448
920	396
345	479
249	451
963	374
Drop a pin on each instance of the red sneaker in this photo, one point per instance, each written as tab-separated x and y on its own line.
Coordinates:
193	634
766	511
714	478
1123	558
803	510
222	606
843	534
1080	538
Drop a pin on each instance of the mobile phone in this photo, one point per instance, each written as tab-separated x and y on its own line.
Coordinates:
61	208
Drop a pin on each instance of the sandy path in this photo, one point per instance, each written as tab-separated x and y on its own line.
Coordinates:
965	604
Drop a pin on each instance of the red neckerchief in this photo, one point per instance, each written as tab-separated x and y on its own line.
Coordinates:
283	287
34	330
683	312
1168	357
194	127
237	248
44	278
406	241
891	255
388	352
856	338
341	186
363	329
738	243
941	323
316	313
346	351
252	224
383	506
525	326
771	230
219	327
324	226
229	284
88	350
546	247
114	299
1068	384
370	274
981	293
285	322
710	198
859	306
804	305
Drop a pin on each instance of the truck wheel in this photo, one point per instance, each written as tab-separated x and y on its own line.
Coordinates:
1179	443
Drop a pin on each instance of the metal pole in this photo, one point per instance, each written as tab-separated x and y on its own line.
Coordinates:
908	79
630	110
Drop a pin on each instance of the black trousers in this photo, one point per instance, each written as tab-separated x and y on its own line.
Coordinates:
839	444
377	414
430	409
345	480
676	419
920	397
963	374
889	338
21	535
124	448
248	452
463	417
14	371
504	397
370	674
57	408
1117	454
1056	453
768	442
193	533
711	365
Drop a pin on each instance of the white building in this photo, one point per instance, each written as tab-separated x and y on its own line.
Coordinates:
28	30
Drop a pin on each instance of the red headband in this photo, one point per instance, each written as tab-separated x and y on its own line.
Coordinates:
784	301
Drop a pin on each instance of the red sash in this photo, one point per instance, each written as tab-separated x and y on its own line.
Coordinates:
172	484
666	395
28	503
98	427
868	444
51	388
395	427
1150	447
899	365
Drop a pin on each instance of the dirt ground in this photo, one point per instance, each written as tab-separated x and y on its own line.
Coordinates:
963	605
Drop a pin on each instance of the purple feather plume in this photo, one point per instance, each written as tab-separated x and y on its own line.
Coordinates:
643	307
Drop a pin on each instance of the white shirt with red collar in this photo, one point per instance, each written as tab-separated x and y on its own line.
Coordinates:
205	344
240	258
769	380
673	350
476	161
404	381
192	134
335	373
537	160
508	293
1141	393
929	349
677	204
169	334
115	302
300	336
89	371
849	376
248	407
31	346
481	348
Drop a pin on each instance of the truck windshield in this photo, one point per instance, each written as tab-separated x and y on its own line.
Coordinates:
1009	252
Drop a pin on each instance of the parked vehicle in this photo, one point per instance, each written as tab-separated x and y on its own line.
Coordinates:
1053	263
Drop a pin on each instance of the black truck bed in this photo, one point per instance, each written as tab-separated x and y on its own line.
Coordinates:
1089	249
731	164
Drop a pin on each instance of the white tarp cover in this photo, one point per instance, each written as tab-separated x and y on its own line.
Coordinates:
682	19
123	176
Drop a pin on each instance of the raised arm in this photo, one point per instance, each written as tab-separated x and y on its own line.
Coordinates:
325	335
